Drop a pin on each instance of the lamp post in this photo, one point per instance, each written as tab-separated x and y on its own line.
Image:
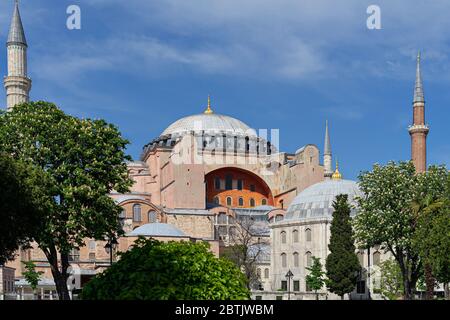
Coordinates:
109	247
289	275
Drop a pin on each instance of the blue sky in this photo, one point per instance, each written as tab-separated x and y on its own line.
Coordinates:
283	64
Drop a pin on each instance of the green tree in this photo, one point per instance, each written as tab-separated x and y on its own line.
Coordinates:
316	277
432	238
386	216
342	264
154	270
31	275
22	205
85	161
390	284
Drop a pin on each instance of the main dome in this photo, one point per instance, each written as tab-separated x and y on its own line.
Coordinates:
214	123
316	201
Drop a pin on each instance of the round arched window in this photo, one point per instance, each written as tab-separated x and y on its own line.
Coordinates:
152	216
137	213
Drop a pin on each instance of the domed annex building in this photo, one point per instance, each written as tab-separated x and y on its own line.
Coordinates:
199	179
304	233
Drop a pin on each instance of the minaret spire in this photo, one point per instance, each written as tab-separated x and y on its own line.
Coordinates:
419	130
17	83
327	157
16	32
418	88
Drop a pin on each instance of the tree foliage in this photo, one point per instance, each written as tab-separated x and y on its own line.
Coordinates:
390	284
154	270
22	205
31	275
84	160
386	216
432	237
342	264
316	277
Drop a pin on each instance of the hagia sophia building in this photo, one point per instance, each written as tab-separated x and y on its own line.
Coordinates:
208	173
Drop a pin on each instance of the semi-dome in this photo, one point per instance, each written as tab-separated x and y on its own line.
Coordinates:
157	230
316	201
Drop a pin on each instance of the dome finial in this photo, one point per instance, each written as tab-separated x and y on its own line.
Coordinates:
337	175
208	109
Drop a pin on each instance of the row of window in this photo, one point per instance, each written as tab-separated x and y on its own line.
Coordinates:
137	214
259	273
296	259
376	258
295	236
295	287
229	201
230	184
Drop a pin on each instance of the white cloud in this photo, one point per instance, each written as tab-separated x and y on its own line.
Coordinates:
291	40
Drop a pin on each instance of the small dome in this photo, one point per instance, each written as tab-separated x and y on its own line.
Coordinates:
157	230
316	201
214	123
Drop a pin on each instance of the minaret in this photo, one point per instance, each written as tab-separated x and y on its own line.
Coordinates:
419	130
327	158
17	83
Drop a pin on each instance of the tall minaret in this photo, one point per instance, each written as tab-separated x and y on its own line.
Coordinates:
17	83
419	130
328	172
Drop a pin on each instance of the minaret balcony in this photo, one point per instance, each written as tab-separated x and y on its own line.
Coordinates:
418	128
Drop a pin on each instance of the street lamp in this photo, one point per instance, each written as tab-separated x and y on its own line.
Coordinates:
288	276
109	247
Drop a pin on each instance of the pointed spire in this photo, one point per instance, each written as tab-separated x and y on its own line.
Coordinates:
16	33
327	145
208	109
418	89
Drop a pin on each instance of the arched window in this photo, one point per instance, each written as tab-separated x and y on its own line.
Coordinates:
266	273
152	216
258	273
308	259
295	235
217	183
283	260
229	201
281	203
264	201
252	202
308	234
216	200
376	258
137	213
241	202
278	217
296	259
228	182
283	236
360	255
